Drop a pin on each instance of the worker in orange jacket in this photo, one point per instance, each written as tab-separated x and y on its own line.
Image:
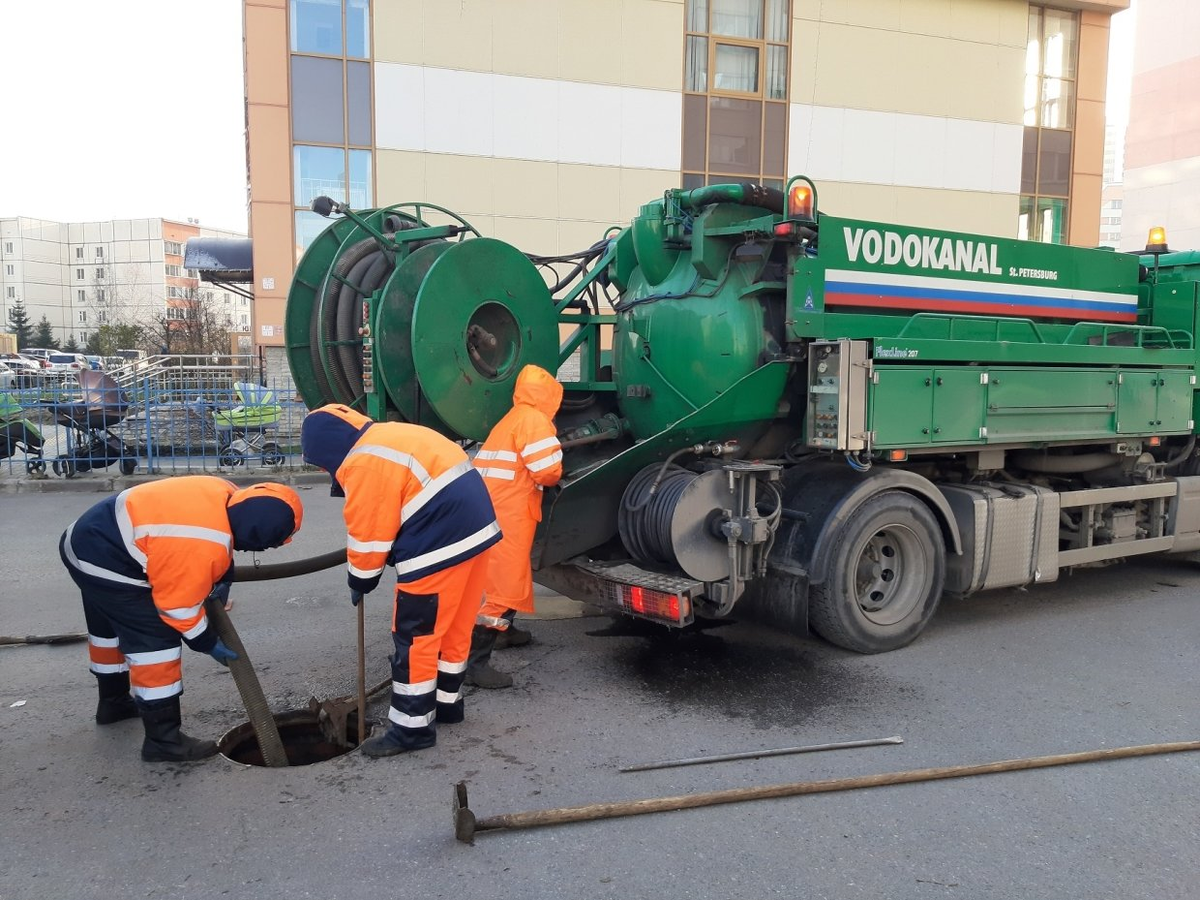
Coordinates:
520	458
144	561
412	500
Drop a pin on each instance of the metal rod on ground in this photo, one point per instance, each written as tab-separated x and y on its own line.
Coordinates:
362	678
265	727
756	754
71	637
466	825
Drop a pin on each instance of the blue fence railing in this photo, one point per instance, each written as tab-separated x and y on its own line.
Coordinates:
153	426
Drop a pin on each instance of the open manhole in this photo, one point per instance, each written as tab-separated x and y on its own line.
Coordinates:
303	740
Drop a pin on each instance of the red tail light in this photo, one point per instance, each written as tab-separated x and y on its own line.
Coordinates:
654	604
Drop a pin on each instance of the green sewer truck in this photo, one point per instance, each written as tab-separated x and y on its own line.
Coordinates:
774	412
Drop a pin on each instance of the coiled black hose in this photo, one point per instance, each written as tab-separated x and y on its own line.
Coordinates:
644	520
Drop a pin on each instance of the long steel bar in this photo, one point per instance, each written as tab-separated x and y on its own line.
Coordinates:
466	824
756	754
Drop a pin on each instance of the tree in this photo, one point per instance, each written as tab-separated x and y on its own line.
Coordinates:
71	346
191	325
43	335
108	339
18	321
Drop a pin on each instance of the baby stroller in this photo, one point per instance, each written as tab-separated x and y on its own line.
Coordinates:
247	431
18	433
90	442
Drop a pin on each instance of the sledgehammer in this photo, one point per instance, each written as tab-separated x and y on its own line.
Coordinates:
466	825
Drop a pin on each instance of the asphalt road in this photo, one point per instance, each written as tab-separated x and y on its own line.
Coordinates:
1104	658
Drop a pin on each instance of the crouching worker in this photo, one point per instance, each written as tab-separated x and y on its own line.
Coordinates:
412	500
145	560
520	457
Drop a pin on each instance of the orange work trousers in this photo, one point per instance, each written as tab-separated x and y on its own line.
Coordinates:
432	619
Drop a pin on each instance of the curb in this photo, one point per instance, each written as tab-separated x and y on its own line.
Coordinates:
108	484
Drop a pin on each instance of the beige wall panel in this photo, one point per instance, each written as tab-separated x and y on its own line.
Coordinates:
270	168
538	236
266	55
641	186
590	193
951	210
651	47
1092	81
400	176
975	20
458	35
802	84
1084	227
524	39
872	13
586	43
923	16
465	184
1088	155
842	79
1014	25
525	188
574	236
274	257
398	31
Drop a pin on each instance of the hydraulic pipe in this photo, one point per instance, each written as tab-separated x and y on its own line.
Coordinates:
759	754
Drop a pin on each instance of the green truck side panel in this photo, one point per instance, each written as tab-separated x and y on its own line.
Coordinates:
913	406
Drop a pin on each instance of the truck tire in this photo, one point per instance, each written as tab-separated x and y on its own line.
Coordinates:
886	574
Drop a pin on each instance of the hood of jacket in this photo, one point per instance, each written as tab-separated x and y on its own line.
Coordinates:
327	436
263	516
538	388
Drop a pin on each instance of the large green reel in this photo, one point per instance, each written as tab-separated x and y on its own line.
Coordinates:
456	324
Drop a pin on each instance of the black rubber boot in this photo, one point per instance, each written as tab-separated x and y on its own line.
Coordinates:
391	743
479	671
512	636
164	741
115	703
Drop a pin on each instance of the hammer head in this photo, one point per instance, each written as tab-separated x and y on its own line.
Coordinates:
464	819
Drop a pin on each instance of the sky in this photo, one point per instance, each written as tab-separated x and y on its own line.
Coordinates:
130	108
122	109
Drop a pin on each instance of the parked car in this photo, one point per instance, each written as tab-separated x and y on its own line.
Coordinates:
96	362
27	368
8	378
65	365
38	352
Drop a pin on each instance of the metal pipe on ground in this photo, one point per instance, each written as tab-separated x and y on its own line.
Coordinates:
759	754
466	825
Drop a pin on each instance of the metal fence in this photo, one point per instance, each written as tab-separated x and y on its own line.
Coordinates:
165	420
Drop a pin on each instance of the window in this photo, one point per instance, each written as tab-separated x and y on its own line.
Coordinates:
79	274
11	292
174	271
1050	63
190	273
102	317
99	253
174	313
83	315
8	247
81	296
735	91
316	26
172	248
8	270
79	253
175	292
99	274
100	295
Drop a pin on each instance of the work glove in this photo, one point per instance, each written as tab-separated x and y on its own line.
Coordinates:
355	597
220	593
221	653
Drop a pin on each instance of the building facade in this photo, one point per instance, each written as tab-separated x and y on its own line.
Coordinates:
1162	144
544	122
82	275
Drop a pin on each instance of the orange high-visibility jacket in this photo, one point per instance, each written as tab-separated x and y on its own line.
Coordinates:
174	537
520	457
412	496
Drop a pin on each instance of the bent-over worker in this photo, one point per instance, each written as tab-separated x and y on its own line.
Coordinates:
144	561
520	457
412	500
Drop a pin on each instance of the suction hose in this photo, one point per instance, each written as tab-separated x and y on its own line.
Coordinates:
265	728
291	569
